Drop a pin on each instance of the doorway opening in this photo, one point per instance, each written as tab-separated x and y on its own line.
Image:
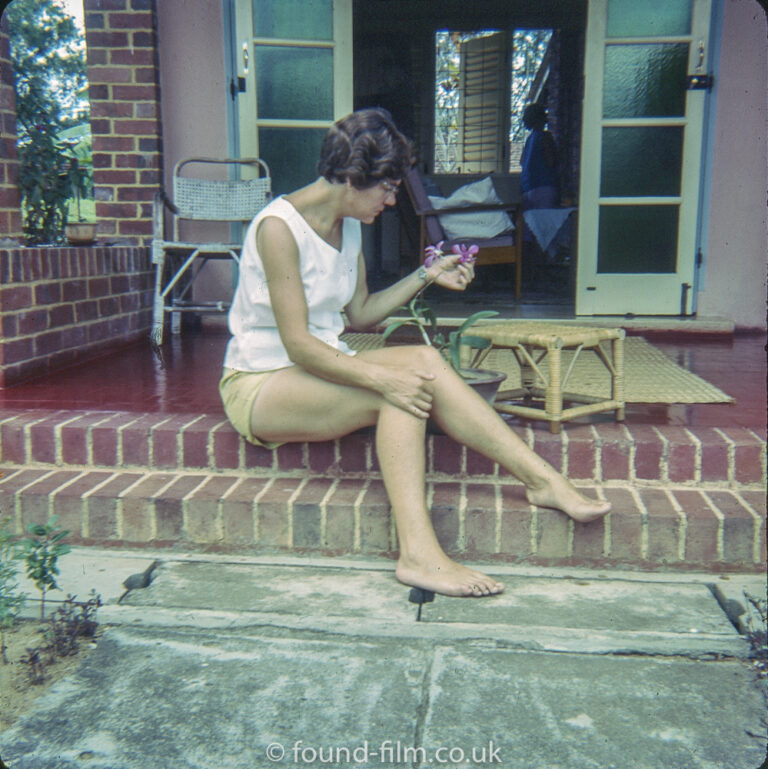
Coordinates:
437	73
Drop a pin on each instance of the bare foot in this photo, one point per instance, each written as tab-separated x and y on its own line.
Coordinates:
561	495
444	576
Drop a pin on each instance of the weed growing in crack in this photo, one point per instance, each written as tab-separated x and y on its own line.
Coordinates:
757	633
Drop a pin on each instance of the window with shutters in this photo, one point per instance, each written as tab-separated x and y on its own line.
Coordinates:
483	80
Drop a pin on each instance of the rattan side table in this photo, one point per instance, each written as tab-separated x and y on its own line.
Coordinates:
536	343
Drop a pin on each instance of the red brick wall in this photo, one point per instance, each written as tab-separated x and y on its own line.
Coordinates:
10	197
125	115
62	305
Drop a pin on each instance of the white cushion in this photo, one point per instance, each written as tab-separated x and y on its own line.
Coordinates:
477	224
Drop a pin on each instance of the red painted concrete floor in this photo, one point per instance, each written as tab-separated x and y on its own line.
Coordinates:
135	379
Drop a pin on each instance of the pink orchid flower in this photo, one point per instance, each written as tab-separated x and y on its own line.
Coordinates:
466	253
433	253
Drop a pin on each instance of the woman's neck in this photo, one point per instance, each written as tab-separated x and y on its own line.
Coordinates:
321	205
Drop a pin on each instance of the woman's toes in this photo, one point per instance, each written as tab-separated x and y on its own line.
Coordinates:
448	578
486	586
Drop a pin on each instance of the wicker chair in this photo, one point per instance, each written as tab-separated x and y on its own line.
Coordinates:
505	248
177	262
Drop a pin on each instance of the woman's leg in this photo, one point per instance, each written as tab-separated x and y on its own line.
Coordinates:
296	406
467	417
422	561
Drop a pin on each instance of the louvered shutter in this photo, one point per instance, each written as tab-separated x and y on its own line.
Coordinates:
483	104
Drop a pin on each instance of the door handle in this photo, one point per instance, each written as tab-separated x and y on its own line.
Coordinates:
700	64
700	80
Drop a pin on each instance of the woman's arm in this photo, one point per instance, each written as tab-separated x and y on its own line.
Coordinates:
366	310
279	254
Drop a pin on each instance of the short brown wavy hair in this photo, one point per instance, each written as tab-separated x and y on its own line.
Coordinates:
365	148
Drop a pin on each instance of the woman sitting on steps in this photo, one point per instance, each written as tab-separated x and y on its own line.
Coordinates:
288	377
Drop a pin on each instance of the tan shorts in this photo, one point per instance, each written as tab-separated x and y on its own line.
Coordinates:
238	390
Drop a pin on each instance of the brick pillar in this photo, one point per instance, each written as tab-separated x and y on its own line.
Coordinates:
10	196
125	115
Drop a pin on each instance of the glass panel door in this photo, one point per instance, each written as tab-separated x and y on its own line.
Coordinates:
641	157
293	79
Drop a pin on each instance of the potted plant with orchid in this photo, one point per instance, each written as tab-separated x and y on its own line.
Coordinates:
460	349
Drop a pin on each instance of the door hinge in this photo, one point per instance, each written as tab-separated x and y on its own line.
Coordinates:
236	86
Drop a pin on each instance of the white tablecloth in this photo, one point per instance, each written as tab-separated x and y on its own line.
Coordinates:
550	226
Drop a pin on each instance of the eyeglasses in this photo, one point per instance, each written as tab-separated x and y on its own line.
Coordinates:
389	187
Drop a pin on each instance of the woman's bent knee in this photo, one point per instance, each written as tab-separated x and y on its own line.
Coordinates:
422	357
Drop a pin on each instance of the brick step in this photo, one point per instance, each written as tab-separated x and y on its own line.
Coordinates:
603	453
671	527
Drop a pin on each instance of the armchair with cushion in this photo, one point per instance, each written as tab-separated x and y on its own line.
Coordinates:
496	227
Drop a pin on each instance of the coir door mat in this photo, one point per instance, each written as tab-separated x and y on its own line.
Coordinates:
649	375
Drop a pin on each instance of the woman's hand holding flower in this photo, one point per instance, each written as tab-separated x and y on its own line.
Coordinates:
433	253
454	271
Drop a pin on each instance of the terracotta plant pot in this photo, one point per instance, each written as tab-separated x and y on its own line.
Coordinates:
80	233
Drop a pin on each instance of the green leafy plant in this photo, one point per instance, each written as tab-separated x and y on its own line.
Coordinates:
41	553
49	65
11	599
50	176
450	345
71	621
423	317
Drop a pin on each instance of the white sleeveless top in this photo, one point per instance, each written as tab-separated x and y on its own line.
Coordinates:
329	277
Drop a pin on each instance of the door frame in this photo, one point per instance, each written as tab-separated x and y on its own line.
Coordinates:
238	19
641	293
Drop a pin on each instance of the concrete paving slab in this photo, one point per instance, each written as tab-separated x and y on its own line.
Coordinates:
223	657
546	613
562	711
276	589
595	604
569	603
104	570
195	700
190	699
565	610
